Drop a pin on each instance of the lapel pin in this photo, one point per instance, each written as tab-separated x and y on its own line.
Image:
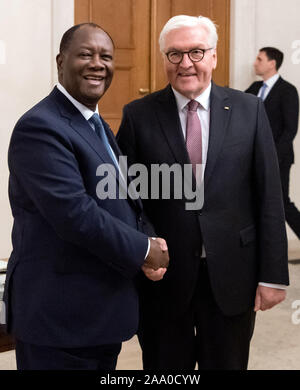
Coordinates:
226	108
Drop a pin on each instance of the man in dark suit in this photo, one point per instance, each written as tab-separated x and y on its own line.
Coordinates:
229	258
70	295
282	106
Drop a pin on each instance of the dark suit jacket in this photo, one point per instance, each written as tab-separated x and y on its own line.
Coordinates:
70	275
282	107
242	221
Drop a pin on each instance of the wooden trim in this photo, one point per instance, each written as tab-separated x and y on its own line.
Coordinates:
81	11
222	76
228	31
90	10
153	51
160	13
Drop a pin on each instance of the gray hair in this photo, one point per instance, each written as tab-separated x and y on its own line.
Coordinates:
189	21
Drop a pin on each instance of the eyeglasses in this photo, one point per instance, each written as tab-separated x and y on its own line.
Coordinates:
195	55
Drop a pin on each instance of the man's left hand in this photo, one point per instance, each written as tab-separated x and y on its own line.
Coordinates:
267	297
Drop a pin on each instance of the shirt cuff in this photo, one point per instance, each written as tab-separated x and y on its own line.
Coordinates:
148	249
271	285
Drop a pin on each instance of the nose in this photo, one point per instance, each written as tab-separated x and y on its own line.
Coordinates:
96	62
186	61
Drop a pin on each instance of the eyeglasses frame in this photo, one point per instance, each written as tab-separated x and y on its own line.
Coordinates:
188	53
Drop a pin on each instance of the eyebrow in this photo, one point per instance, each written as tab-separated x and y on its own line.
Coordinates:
193	48
91	48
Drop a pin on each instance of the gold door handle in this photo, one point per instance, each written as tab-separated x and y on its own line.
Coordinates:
144	91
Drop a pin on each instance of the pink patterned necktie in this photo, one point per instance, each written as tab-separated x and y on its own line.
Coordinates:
194	136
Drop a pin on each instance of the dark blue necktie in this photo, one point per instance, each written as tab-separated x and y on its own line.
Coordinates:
100	131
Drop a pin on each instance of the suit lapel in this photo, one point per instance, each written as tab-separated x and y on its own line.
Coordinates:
273	91
258	85
167	112
111	139
80	125
137	202
220	111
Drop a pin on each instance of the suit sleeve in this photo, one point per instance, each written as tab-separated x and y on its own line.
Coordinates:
271	220
43	162
290	112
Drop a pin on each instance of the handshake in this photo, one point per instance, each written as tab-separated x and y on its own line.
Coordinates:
157	261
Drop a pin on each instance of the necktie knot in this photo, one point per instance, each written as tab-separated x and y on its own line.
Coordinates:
100	131
193	105
95	120
264	86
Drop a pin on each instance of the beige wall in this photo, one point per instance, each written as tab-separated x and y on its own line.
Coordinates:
30	31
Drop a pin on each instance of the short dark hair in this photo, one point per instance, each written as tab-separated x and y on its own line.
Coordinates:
68	35
274	54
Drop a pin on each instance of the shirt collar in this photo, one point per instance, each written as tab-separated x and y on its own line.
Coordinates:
86	112
272	80
203	99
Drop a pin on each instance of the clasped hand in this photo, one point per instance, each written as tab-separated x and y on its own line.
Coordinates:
157	261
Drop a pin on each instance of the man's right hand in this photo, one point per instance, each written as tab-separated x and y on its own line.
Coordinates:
158	256
154	275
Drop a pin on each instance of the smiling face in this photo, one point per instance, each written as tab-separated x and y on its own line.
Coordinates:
86	66
189	78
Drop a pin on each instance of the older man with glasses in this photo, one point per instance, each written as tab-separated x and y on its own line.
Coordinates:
228	259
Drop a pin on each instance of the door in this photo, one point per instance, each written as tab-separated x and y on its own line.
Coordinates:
135	26
127	22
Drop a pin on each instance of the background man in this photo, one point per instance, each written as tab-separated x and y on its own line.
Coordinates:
224	256
282	106
70	295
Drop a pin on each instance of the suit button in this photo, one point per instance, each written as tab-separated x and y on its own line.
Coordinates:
200	213
140	219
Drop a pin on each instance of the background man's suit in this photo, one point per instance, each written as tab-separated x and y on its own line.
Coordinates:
282	107
73	285
242	221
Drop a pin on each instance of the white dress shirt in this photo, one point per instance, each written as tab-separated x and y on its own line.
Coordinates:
203	112
85	111
269	85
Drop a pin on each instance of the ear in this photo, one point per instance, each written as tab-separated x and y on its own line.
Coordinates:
60	66
215	59
59	61
273	62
